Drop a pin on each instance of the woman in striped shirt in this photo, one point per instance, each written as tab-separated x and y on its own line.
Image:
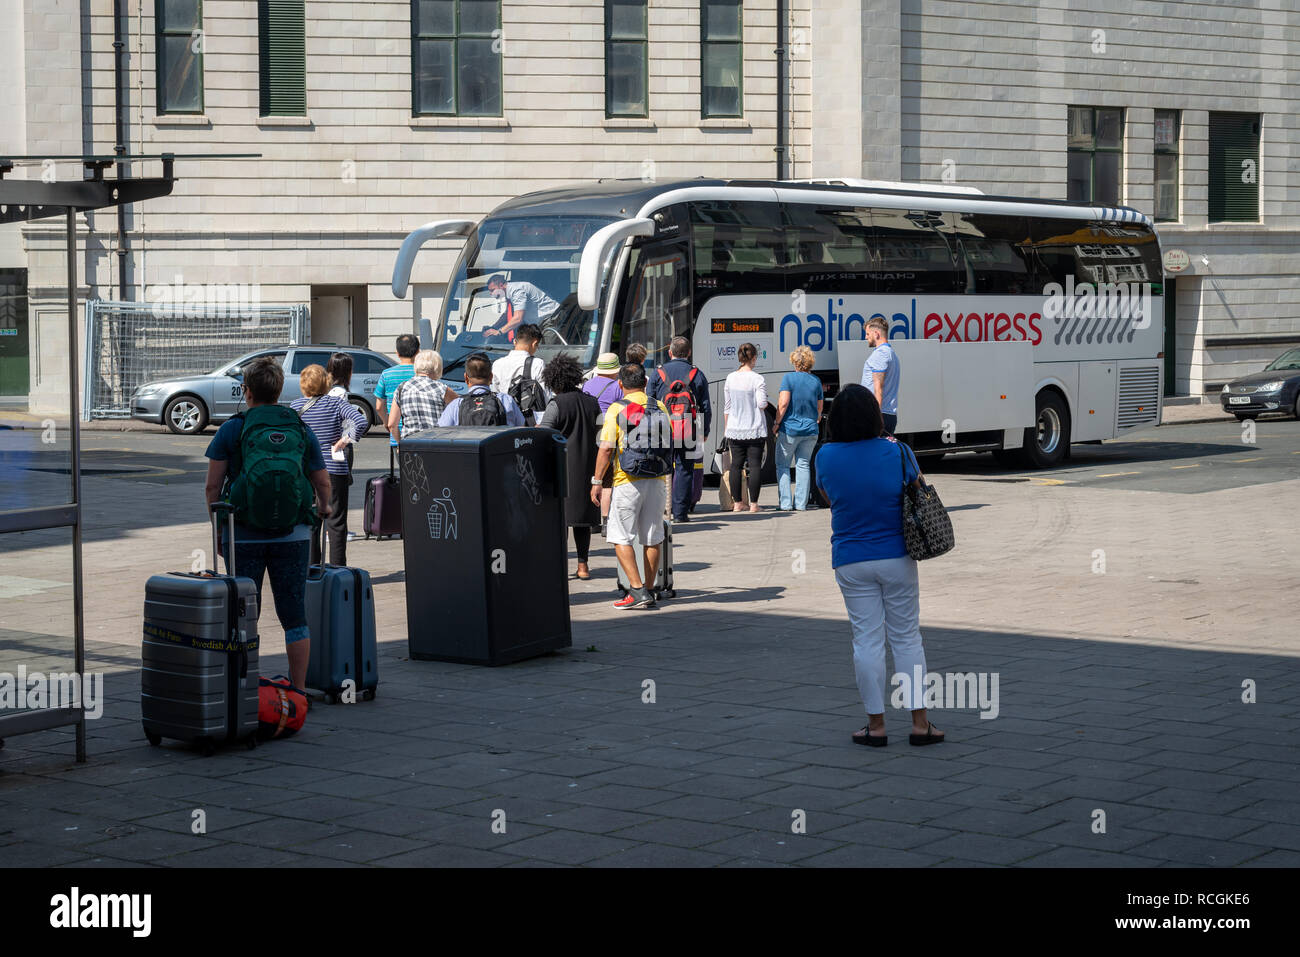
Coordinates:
336	423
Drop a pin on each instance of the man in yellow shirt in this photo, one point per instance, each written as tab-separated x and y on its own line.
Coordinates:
636	510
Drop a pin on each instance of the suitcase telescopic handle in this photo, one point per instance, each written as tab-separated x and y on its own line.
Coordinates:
216	508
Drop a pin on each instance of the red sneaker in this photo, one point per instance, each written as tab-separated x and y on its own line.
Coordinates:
626	601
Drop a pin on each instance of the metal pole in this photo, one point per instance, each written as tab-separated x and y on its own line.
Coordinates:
74	426
782	84
119	147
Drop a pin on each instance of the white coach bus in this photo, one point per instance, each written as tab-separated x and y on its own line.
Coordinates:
1021	326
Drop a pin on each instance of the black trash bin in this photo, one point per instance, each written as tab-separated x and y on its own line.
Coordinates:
485	544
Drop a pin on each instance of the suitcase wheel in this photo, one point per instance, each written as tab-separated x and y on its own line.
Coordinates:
331	697
369	695
207	747
250	742
2	744
668	593
154	739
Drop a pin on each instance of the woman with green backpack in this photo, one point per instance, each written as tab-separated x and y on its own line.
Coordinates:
267	463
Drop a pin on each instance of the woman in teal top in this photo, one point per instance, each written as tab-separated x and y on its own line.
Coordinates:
797	418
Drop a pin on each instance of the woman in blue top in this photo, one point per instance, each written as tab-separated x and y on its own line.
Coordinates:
862	473
797	415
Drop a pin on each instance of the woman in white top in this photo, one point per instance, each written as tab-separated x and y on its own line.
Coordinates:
745	425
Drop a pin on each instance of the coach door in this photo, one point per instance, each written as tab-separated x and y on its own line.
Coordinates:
657	298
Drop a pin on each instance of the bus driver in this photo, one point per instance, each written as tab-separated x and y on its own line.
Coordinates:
524	303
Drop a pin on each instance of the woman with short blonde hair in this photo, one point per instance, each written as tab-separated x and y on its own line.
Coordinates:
798	414
336	423
313	381
803	359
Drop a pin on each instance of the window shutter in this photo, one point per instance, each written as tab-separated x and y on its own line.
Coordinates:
282	55
1234	167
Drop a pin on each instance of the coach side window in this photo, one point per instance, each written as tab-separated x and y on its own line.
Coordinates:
996	254
829	249
739	248
1079	251
914	251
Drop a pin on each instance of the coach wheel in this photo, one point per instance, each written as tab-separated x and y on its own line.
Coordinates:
1047	441
186	415
927	460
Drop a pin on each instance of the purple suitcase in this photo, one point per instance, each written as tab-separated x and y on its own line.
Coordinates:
383	511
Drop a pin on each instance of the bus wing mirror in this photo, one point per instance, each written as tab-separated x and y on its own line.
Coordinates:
417	238
596	252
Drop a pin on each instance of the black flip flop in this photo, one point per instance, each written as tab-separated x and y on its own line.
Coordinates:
871	740
917	740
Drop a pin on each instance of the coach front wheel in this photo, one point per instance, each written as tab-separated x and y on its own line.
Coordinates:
1047	442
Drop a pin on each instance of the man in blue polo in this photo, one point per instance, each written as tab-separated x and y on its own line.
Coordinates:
881	372
407	346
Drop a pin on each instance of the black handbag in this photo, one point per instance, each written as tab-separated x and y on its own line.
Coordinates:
927	529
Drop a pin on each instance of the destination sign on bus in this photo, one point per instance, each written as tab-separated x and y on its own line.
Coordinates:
741	327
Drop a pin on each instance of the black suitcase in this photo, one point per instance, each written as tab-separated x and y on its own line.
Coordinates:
383	512
199	674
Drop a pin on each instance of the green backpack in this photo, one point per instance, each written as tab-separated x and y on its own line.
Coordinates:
270	489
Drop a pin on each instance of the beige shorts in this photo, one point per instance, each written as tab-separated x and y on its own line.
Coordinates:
636	513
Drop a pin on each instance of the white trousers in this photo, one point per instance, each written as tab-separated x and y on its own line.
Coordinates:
884	604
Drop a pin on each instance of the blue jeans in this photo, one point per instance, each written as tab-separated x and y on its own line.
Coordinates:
798	448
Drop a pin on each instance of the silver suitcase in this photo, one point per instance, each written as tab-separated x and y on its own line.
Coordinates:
199	658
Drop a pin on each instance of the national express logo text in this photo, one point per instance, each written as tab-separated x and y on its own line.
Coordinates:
820	331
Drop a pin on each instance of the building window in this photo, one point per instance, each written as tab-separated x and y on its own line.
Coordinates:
178	32
721	58
1095	163
1166	140
1234	167
456	57
282	58
626	58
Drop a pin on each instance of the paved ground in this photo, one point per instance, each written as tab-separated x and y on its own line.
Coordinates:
1122	601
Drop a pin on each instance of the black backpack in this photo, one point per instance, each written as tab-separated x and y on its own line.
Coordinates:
527	391
481	408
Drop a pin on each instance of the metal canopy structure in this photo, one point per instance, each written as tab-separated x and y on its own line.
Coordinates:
22	201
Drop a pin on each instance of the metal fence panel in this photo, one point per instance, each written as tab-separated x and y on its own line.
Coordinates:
131	343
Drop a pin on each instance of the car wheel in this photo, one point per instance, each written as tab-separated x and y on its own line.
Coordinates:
1296	410
364	408
1243	416
186	415
1049	438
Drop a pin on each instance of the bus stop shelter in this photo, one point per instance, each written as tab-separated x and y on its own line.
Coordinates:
44	509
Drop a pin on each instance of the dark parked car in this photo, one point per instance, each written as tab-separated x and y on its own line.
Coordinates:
1275	389
186	405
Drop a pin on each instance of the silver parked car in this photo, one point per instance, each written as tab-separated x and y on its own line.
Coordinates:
187	405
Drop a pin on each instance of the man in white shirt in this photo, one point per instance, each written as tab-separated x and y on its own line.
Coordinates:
525	303
510	367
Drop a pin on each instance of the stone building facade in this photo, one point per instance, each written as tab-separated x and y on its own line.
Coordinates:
970	92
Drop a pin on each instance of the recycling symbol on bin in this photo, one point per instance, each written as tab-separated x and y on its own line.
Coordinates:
442	517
